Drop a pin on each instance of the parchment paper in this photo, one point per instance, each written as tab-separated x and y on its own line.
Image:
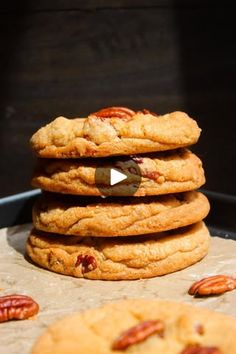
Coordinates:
60	295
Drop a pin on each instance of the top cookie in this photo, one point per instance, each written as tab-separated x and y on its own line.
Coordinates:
114	131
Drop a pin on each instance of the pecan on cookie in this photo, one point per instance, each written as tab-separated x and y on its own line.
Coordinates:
114	112
87	263
196	349
138	334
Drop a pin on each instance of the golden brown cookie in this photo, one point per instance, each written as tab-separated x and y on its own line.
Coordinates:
161	173
114	134
110	217
120	258
142	326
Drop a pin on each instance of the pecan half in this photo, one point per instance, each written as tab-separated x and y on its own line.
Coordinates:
196	349
87	262
137	159
114	112
214	285
151	175
138	334
146	111
133	170
17	307
199	329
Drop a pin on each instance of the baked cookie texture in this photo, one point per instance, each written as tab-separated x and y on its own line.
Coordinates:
95	330
77	232
120	258
161	173
96	137
110	217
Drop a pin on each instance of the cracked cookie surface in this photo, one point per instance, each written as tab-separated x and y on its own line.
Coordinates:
96	137
120	258
97	328
91	216
161	173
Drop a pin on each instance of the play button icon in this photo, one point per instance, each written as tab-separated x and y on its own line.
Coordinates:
117	176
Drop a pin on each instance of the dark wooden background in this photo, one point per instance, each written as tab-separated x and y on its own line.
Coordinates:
73	57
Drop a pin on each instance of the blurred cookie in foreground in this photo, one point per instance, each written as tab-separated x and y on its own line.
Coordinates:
141	326
120	258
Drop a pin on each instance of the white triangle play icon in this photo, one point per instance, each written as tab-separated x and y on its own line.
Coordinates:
116	177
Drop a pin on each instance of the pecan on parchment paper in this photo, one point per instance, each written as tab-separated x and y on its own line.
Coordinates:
138	334
214	285
17	307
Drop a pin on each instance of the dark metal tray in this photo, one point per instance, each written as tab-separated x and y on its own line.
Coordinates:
16	209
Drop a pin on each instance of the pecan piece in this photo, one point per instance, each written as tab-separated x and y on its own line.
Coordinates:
138	334
199	329
151	175
137	159
214	285
87	263
133	170
17	307
146	111
196	349
114	112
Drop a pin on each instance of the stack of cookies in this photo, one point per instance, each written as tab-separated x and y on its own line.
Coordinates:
147	224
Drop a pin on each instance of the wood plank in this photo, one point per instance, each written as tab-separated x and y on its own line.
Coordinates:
56	64
44	5
95	5
208	56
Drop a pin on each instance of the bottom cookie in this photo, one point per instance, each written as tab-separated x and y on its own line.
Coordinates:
141	326
118	258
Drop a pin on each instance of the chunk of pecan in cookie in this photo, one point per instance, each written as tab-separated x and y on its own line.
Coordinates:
146	111
133	170
197	349
151	175
17	307
199	328
138	334
88	263
137	159
114	112
214	285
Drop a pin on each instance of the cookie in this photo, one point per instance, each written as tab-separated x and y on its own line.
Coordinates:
140	326
161	173
119	258
110	217
114	134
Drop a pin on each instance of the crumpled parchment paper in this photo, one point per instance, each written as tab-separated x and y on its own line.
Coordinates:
60	295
